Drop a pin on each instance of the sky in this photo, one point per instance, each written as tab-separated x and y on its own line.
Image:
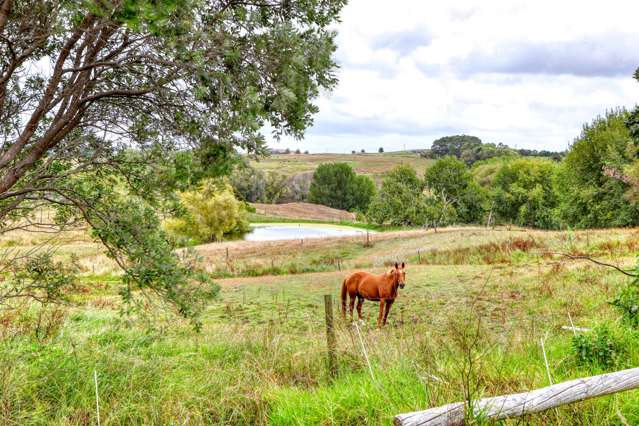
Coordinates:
525	73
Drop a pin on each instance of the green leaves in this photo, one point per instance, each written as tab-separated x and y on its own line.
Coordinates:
588	195
524	192
449	179
211	212
336	185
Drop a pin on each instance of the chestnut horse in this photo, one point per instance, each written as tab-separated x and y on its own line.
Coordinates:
382	288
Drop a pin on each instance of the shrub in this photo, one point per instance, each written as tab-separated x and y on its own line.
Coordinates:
249	184
600	347
627	302
209	213
401	200
451	181
588	195
524	194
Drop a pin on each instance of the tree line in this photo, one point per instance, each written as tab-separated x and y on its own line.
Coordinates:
471	149
595	185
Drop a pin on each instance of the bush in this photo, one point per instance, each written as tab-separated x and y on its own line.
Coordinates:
249	184
401	201
337	185
209	213
600	347
524	192
627	302
451	181
588	196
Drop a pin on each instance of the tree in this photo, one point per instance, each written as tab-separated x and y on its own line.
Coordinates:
363	151
380	150
337	185
84	83
401	201
589	193
453	145
249	184
450	180
524	193
210	212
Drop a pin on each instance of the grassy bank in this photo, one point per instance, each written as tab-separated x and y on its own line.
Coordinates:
477	295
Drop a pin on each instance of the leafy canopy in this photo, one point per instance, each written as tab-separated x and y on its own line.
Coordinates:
211	212
401	201
590	184
96	99
450	180
337	185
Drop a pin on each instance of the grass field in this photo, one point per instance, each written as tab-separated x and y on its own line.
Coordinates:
467	324
374	165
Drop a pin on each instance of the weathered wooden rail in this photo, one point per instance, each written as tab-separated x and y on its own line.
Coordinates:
520	404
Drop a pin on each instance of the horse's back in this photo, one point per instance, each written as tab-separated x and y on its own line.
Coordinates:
364	284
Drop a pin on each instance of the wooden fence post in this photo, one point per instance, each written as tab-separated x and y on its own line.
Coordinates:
330	336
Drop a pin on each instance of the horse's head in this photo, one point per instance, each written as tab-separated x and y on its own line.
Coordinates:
400	274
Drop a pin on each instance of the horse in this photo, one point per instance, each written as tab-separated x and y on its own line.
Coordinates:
365	286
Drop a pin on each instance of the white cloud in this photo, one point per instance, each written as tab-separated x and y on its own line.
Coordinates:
514	71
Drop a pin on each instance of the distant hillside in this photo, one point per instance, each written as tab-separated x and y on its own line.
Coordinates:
373	165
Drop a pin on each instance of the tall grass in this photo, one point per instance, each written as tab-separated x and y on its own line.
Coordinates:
261	355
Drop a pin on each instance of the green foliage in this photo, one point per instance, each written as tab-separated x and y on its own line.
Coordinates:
164	97
627	303
337	185
129	228
39	278
401	200
589	197
451	181
249	184
211	212
633	118
524	194
469	149
600	347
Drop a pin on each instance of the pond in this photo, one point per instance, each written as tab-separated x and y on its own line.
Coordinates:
298	231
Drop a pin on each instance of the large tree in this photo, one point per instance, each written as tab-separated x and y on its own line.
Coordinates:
589	188
84	84
450	180
337	185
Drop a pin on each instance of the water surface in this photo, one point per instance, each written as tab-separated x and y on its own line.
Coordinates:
298	231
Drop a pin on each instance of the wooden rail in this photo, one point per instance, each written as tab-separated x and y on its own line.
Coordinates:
516	405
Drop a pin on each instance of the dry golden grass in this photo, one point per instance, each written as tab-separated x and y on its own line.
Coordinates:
374	165
307	211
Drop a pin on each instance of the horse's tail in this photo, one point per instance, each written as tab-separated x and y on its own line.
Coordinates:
344	298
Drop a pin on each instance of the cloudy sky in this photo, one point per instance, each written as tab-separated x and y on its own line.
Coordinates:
525	73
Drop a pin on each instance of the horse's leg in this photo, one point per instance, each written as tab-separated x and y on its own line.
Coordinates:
351	305
389	303
360	302
382	302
